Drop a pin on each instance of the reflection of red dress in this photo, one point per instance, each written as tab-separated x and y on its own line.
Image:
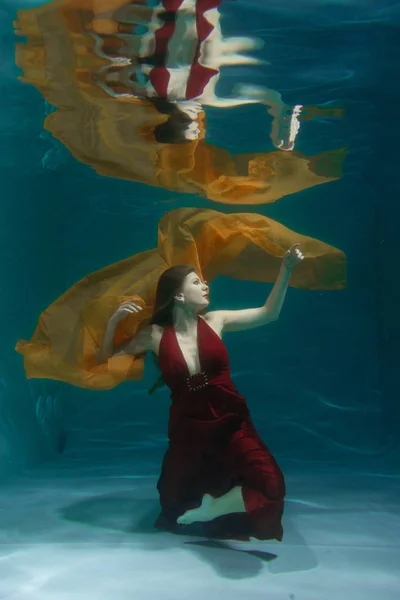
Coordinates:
213	445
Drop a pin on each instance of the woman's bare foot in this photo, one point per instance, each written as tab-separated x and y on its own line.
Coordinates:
211	508
205	512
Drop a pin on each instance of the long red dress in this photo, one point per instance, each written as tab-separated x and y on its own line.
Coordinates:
213	445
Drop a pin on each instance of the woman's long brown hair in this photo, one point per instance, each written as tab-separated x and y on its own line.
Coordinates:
168	286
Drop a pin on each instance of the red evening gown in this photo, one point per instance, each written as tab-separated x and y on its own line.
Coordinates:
213	446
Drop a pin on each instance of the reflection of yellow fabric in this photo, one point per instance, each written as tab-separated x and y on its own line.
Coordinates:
82	15
242	246
115	137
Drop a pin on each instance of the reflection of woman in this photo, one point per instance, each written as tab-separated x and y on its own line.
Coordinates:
158	145
217	470
156	139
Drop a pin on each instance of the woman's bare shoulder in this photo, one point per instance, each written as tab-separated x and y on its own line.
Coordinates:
213	316
153	335
147	338
156	331
151	331
214	320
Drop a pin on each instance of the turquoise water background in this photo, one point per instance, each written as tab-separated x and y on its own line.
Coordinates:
321	382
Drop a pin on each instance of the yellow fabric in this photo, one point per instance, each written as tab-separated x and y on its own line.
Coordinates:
243	246
116	136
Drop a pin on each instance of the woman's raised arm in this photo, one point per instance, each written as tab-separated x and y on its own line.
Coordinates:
139	343
237	320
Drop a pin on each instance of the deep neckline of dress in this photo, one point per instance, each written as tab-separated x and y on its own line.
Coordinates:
198	349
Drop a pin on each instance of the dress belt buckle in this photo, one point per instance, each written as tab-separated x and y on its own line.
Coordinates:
198	381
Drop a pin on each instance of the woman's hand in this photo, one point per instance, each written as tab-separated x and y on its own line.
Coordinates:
293	257
125	309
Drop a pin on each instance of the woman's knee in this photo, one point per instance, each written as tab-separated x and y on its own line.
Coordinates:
268	479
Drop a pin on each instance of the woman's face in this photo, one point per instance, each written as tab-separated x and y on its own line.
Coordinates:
194	292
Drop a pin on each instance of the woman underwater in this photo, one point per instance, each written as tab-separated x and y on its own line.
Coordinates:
216	470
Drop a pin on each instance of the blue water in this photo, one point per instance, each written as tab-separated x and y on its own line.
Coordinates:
322	382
